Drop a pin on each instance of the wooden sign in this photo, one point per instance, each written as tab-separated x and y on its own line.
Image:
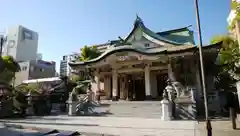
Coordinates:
127	58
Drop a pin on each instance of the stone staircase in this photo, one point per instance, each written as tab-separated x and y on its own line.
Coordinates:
140	109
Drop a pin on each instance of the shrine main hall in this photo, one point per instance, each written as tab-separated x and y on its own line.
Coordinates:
138	66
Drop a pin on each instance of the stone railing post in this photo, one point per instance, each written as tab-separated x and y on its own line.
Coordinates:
166	108
238	91
29	109
72	105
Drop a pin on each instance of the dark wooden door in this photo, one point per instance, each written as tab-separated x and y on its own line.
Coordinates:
140	89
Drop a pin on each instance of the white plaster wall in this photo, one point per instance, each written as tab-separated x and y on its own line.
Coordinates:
22	50
27	49
140	41
12	35
94	86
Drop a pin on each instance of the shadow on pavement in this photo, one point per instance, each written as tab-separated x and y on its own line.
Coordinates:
16	132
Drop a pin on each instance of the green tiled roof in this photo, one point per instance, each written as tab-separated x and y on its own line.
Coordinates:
139	24
159	51
182	38
180	35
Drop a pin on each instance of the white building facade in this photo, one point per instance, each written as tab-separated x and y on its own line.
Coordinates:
21	43
65	70
35	69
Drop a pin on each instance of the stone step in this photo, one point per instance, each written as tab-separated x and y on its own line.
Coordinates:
131	109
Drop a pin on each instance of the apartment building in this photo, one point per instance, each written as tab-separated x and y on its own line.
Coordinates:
35	69
65	70
21	43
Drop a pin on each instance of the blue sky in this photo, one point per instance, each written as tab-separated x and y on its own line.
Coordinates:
64	26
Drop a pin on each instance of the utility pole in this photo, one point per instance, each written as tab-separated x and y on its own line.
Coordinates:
208	121
1	45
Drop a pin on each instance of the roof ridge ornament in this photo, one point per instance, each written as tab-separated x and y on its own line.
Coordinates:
138	20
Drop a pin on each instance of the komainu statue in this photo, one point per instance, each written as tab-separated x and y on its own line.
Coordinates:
175	89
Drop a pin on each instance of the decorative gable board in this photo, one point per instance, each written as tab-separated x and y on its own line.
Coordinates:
137	35
142	40
145	43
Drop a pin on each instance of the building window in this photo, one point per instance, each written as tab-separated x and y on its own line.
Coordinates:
27	34
65	58
146	45
41	69
82	73
24	68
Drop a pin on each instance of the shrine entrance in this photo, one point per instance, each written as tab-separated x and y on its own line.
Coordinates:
136	87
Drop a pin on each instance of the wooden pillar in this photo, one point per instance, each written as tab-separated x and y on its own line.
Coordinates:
114	85
107	86
98	93
171	74
147	83
123	90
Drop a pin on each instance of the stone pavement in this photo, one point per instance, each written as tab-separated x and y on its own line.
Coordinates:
13	131
220	128
31	131
126	126
111	125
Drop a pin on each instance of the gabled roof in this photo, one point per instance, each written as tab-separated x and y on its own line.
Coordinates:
139	24
160	36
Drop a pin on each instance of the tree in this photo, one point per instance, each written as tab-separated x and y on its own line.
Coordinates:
88	53
235	7
229	57
75	78
35	89
8	67
229	71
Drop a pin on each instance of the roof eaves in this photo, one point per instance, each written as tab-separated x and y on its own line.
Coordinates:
175	30
178	49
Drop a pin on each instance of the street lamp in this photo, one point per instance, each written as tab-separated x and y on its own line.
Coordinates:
208	122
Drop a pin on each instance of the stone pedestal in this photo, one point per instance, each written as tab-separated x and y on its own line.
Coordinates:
72	107
238	91
238	117
29	110
185	108
90	95
166	110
